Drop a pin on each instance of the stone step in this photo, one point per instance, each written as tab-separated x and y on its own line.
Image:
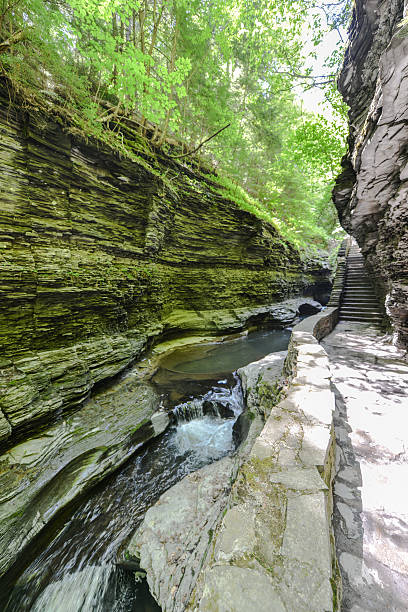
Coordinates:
351	291
358	284
361	299
358	274
361	320
358	290
360	306
365	307
359	302
360	296
355	281
362	316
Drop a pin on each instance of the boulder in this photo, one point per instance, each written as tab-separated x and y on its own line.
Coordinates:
309	308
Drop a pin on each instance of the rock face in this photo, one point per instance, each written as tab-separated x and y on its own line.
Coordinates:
40	476
371	194
98	257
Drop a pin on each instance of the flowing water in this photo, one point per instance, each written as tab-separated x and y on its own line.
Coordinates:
79	570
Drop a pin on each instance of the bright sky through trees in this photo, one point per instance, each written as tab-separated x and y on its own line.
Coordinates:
313	99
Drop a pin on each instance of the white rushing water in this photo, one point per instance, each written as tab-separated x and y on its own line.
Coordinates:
205	424
77	571
81	590
208	437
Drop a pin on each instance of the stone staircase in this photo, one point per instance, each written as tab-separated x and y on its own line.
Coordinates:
358	300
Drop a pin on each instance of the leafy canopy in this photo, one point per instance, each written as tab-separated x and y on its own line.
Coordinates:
175	72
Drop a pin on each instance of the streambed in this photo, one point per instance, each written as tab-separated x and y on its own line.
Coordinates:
82	568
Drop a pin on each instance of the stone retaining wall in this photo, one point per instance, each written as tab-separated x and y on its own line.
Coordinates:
272	545
274	548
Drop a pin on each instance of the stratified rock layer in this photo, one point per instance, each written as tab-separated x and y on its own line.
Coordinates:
42	475
98	257
371	195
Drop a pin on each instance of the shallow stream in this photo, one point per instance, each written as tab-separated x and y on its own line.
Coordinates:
82	567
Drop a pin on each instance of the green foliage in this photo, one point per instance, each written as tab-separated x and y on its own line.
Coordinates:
142	74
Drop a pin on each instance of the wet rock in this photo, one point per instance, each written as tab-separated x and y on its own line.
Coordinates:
42	475
241	427
214	408
310	308
261	383
176	533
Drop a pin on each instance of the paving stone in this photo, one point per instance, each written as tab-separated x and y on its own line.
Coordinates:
371	509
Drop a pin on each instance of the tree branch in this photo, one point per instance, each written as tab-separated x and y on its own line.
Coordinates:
12	40
201	144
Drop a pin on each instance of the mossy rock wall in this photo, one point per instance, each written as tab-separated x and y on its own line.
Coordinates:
97	256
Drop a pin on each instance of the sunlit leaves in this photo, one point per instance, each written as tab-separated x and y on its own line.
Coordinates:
186	68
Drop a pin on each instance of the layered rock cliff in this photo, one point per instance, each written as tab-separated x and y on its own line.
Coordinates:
99	257
371	194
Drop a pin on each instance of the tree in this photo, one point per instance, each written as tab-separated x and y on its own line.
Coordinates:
140	74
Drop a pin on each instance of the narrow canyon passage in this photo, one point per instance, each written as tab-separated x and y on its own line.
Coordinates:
81	564
370	498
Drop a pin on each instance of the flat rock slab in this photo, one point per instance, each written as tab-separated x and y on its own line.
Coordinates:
371	504
176	533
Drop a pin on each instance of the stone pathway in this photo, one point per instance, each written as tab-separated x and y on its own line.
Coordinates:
370	377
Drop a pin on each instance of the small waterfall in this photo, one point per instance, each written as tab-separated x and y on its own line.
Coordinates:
189	411
205	424
77	571
221	402
85	589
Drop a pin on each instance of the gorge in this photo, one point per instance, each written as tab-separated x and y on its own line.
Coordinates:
186	420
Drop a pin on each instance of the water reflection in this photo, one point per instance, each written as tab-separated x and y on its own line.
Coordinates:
225	357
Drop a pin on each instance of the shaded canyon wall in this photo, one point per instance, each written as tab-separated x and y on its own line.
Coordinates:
98	257
371	194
